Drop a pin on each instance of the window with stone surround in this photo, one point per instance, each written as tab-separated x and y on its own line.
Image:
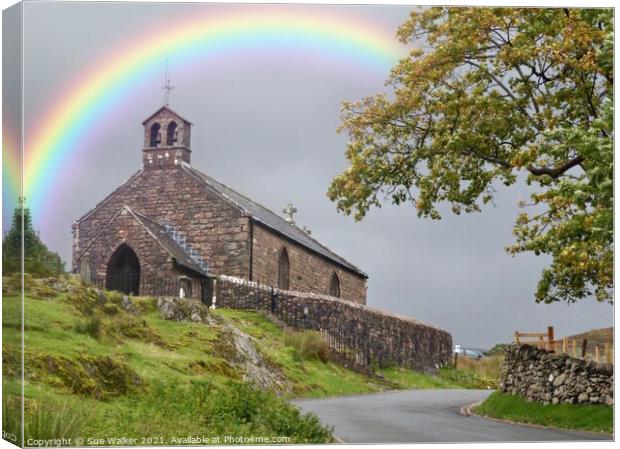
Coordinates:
334	285
283	270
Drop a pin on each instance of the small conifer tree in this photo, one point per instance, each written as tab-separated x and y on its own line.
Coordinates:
38	259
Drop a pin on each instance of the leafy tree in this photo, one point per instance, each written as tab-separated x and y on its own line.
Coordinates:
38	260
497	96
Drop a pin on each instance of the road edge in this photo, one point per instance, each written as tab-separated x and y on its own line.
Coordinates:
466	410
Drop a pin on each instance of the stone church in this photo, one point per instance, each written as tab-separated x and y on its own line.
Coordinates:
171	225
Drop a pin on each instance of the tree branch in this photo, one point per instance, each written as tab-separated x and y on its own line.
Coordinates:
555	172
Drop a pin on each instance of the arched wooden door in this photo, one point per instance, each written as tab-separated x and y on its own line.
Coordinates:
123	273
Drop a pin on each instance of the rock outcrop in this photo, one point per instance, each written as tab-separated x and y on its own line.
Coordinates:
237	346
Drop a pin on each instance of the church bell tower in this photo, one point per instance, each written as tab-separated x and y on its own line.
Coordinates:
166	140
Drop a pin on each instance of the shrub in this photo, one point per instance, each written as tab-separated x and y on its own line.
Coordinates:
136	328
90	326
308	345
233	408
498	349
240	406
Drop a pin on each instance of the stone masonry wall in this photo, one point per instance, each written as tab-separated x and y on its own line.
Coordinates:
308	271
157	272
215	229
549	378
355	331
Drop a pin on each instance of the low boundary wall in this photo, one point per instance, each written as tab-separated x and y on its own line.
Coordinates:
550	378
364	335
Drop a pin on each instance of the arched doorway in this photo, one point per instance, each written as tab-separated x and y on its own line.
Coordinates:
123	273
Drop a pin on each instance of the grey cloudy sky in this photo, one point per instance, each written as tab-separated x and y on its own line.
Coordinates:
266	125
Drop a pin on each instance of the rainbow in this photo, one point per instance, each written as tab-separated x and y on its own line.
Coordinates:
77	109
11	167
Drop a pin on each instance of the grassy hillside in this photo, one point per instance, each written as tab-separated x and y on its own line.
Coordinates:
99	366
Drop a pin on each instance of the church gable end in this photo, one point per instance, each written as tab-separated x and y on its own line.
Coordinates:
125	230
211	225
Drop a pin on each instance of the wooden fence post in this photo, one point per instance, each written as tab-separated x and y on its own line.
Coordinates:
456	360
574	348
565	345
607	353
584	347
596	353
517	337
550	338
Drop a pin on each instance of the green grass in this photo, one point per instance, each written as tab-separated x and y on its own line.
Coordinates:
107	372
308	345
594	418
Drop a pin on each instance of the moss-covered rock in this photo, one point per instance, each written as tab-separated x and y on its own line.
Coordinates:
136	328
36	288
215	366
184	309
96	377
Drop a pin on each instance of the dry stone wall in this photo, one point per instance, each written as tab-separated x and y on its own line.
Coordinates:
542	376
363	335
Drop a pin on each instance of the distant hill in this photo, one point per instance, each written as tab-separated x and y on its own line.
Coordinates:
600	336
594	337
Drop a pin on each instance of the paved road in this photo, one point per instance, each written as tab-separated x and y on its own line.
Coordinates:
423	416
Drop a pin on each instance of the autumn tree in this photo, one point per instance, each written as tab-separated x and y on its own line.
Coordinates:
489	98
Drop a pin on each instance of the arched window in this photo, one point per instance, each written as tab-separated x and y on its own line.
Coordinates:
171	134
155	140
283	270
334	286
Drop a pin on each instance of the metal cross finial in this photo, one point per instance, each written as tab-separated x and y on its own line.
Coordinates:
290	210
167	87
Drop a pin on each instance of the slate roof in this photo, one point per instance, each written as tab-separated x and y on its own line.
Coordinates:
165	108
272	220
157	230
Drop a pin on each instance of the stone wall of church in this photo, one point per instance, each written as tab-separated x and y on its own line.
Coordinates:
212	226
154	261
217	231
308	272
